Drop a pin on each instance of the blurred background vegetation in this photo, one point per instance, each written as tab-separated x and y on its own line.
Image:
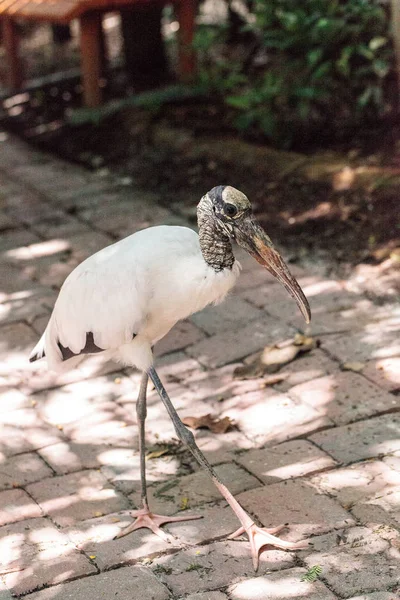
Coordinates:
289	73
293	70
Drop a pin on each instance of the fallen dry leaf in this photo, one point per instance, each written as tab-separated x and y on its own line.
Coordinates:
353	366
273	379
184	503
158	453
272	358
209	422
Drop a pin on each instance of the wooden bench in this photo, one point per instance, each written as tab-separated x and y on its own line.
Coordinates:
89	13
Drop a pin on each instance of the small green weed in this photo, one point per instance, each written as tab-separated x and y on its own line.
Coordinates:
312	574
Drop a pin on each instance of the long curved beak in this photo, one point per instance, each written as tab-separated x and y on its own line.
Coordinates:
251	236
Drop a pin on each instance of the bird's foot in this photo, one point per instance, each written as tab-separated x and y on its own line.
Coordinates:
262	536
145	518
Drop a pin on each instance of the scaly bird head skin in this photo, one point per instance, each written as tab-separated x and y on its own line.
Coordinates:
232	214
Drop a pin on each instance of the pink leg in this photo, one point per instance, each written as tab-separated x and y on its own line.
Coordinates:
258	536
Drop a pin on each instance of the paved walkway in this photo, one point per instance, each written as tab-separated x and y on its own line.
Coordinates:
319	450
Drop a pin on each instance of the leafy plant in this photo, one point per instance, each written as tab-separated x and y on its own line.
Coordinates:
312	574
324	65
217	73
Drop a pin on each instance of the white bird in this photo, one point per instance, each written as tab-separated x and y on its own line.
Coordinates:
125	298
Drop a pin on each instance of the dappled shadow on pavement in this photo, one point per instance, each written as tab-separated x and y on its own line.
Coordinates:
318	449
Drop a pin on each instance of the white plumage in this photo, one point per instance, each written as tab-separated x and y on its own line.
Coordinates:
140	286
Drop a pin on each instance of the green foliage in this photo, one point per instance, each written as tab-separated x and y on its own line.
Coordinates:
217	73
312	574
151	101
325	66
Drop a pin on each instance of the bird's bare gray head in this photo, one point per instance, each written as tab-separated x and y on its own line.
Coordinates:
225	213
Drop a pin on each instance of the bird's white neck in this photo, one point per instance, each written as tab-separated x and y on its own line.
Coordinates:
215	245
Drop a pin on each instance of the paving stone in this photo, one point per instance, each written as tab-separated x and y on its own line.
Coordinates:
12	241
360	482
37	376
102	430
86	243
19	470
344	397
380	509
268	417
365	439
334	322
58	224
76	497
36	554
216	565
222	448
231	314
18	154
371	490
280	586
252	279
376	596
126	217
219	384
182	335
208	596
121	583
52	274
324	296
25	309
230	346
111	423
16	286
288	460
6	222
22	430
67	457
298	503
176	366
29	209
362	562
72	403
5	594
96	538
384	372
197	488
16	505
90	193
16	342
47	174
39	324
218	522
159	425
306	367
12	399
122	468
335	309
376	340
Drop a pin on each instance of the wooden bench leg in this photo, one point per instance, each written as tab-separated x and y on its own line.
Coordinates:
11	45
186	14
91	57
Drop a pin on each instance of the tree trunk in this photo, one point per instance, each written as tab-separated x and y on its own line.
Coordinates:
145	57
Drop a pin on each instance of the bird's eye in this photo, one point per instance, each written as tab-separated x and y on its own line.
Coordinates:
230	210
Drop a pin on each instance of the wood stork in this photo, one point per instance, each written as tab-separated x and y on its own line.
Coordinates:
126	297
